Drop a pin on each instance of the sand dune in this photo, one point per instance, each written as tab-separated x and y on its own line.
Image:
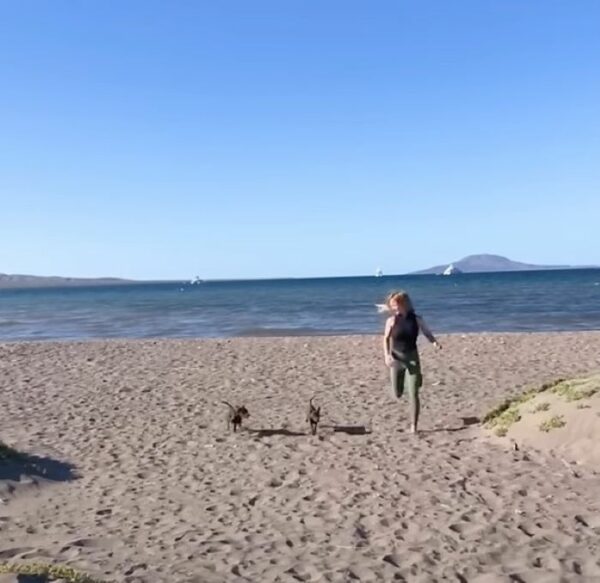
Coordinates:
159	492
563	419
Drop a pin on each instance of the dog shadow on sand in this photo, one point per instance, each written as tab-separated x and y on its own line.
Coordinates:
273	432
348	429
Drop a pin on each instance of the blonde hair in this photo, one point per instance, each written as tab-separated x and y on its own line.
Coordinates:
401	297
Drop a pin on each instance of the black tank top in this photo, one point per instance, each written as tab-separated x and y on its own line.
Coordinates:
405	330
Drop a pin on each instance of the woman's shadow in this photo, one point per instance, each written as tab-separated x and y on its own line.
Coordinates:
466	423
15	464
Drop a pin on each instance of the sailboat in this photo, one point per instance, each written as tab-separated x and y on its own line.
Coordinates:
378	272
451	270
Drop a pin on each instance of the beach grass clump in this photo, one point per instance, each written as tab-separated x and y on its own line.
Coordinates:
504	418
555	422
519	400
50	572
550	385
527	396
543	406
510	416
492	415
501	417
577	389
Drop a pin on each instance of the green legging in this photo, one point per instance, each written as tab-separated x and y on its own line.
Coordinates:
405	373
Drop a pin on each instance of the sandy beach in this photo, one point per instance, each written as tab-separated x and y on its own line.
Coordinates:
144	484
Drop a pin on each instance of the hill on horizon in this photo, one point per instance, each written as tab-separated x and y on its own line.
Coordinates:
486	262
8	281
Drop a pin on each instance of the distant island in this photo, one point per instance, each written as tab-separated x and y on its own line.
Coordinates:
470	264
489	263
30	281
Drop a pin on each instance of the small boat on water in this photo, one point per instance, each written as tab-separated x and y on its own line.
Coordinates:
378	272
451	270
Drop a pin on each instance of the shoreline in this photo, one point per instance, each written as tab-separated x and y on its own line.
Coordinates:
208	339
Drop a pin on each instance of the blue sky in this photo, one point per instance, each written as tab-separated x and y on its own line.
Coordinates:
234	139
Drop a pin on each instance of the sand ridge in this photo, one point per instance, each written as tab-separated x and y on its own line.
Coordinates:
562	418
164	493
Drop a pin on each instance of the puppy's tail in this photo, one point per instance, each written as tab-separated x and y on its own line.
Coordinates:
229	405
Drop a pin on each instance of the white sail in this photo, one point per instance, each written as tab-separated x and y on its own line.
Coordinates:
451	270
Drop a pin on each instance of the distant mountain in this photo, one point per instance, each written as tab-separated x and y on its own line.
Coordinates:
23	281
485	263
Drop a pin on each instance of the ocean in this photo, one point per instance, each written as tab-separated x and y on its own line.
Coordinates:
491	302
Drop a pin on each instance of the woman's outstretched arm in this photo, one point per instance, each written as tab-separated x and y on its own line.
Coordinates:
427	332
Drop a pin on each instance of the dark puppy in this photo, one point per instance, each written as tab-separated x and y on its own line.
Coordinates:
235	416
313	416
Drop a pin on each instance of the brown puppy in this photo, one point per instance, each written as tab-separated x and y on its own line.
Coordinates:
235	416
313	416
